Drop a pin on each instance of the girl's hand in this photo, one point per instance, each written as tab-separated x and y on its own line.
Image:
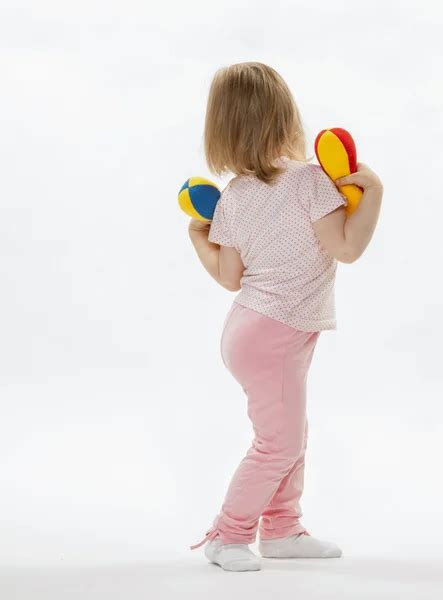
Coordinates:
364	177
197	225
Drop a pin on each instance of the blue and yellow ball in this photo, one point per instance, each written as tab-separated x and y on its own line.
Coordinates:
198	197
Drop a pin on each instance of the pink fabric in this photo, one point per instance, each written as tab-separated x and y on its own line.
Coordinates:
270	360
288	275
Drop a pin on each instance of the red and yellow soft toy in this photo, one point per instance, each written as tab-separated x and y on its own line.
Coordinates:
337	155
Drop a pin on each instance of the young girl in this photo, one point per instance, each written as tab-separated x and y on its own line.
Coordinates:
278	230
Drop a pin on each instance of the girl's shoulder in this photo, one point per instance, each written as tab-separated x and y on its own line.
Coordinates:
294	171
301	166
311	174
239	184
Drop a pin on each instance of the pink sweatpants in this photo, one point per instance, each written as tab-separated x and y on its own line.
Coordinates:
270	360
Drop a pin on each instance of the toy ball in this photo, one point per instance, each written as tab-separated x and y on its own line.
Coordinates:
337	155
198	197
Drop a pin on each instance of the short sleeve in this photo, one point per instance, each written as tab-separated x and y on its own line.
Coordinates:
221	230
324	196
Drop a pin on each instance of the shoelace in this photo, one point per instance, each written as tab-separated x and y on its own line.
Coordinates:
210	535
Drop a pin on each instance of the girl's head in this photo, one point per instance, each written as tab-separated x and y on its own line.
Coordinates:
251	120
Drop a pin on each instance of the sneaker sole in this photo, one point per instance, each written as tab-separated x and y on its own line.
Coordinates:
238	566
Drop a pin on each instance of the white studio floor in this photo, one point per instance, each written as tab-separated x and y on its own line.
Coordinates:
363	577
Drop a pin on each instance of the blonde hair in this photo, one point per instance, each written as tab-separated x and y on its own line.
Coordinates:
251	120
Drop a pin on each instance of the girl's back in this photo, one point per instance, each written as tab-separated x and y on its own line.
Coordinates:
288	275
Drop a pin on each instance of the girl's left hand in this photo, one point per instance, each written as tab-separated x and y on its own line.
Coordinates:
197	225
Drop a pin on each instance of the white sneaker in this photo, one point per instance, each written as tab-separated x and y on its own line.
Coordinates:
232	557
298	546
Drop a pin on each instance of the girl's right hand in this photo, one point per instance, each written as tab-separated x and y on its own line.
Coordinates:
364	177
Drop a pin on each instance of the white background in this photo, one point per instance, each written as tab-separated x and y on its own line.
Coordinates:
120	426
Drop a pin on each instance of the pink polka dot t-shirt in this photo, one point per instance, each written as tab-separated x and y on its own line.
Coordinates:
288	276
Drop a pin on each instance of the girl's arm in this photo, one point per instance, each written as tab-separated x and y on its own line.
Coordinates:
223	263
346	238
